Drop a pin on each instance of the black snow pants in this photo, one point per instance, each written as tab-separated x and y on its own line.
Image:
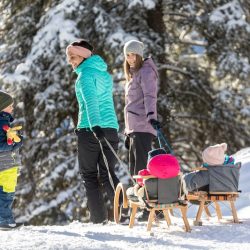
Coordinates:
140	145
94	171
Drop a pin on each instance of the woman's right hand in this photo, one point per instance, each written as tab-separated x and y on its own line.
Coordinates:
155	124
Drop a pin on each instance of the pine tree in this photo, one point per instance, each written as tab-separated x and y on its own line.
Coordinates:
208	73
50	189
203	94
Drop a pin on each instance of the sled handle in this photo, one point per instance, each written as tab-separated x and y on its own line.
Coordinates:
160	137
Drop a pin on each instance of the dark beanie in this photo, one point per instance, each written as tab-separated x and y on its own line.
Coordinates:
83	43
5	100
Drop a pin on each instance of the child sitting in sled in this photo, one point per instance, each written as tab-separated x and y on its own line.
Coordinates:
211	156
160	166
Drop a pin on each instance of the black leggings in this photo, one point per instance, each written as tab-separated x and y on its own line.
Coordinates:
92	166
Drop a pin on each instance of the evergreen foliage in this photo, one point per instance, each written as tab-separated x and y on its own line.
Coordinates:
200	47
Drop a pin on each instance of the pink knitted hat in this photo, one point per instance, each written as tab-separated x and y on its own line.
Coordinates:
78	50
214	155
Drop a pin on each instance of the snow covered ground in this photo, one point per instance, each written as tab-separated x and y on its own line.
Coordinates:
212	235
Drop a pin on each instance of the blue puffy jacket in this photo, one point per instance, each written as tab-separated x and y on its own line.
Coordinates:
94	92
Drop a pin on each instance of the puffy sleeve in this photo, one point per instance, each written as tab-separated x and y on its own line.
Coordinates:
89	95
149	80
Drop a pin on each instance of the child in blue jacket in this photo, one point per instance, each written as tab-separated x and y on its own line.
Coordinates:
9	163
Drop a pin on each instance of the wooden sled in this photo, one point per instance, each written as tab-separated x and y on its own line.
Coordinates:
205	198
152	206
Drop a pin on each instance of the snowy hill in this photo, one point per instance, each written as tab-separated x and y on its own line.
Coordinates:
212	235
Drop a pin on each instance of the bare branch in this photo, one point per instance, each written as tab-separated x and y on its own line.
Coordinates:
193	94
190	41
4	62
174	68
178	14
195	42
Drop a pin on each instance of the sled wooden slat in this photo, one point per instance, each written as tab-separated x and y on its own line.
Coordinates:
145	177
205	198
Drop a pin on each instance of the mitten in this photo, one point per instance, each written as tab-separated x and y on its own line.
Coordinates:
142	172
155	124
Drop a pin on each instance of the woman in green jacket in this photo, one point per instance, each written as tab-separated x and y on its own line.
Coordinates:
96	120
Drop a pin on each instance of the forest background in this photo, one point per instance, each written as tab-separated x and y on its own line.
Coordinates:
202	52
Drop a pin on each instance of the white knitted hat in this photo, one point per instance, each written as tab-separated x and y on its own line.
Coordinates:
214	155
133	46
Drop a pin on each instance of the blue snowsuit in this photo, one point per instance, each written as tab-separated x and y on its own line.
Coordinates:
9	162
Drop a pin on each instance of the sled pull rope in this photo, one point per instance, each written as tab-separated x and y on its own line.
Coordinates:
128	173
160	137
117	157
107	166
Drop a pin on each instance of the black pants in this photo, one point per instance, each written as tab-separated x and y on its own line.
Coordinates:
90	158
140	145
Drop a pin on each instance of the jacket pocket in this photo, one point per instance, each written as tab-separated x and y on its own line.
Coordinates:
133	113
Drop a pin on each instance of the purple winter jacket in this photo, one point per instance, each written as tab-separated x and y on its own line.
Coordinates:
141	98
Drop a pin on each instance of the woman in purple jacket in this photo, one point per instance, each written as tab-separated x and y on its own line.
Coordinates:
140	104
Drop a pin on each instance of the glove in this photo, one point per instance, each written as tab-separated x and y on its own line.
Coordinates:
127	142
98	133
155	124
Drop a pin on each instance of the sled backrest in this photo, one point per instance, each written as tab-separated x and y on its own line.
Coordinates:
224	178
164	191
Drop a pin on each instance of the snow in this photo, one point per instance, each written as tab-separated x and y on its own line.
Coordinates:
149	4
212	235
231	19
230	15
56	27
231	61
116	38
14	78
246	110
63	195
53	27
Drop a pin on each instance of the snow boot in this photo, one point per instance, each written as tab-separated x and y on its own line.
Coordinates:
6	227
